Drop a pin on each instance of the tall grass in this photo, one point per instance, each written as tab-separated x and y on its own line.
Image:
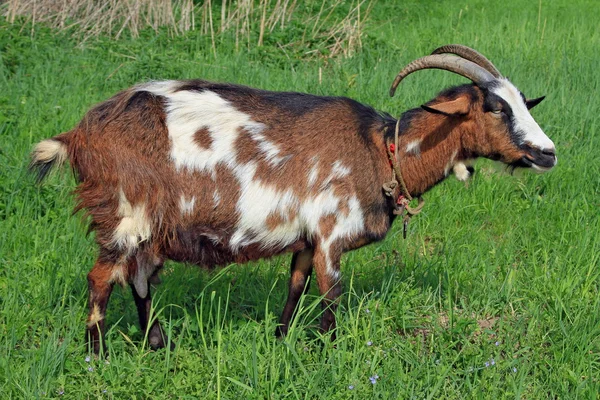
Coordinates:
494	294
336	28
91	18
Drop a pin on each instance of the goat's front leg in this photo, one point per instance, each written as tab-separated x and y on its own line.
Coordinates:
326	262
100	286
301	269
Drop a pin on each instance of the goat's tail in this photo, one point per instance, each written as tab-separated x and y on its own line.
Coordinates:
47	154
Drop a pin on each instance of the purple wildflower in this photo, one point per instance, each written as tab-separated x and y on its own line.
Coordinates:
497	343
369	343
515	370
90	369
61	392
367	310
350	387
487	364
87	359
493	362
374	378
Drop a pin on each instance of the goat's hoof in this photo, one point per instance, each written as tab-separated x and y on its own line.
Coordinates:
157	339
281	331
157	345
96	343
97	350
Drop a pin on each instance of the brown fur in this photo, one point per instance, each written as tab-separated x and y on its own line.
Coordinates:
471	135
326	225
274	220
123	146
202	137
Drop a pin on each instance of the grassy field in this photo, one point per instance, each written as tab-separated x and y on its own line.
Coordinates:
494	294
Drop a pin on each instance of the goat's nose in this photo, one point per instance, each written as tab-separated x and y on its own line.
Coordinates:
549	152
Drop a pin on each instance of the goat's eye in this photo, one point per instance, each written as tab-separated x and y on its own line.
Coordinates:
496	112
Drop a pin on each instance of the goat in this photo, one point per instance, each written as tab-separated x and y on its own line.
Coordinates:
210	174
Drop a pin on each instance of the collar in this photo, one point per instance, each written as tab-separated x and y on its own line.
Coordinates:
402	203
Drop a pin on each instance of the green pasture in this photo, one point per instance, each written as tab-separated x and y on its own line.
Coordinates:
494	293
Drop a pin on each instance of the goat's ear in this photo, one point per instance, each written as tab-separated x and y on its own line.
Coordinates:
534	102
456	107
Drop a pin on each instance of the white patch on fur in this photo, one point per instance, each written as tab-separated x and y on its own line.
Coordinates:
119	274
270	149
345	227
48	150
189	111
134	227
414	147
328	265
338	170
257	201
460	171
95	317
335	274
186	206
523	120
450	163
317	206
314	171
348	225
216	198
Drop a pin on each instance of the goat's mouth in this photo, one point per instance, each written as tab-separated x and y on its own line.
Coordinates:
537	159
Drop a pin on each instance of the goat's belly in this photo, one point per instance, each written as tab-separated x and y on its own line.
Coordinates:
210	248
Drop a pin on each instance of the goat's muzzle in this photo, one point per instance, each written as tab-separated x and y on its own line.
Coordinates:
541	160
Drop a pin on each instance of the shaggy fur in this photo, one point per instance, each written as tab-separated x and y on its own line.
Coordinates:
211	174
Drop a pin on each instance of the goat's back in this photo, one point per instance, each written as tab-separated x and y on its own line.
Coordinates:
214	173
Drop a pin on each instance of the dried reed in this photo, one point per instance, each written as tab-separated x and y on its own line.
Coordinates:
251	21
91	18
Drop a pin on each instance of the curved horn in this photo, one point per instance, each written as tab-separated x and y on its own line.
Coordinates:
471	55
455	64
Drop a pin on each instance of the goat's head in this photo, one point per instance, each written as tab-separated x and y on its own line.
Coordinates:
506	131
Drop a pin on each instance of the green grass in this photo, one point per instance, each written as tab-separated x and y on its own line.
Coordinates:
507	268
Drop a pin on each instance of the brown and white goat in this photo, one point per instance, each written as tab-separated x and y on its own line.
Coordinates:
211	174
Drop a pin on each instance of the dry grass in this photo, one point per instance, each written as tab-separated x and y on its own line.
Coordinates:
92	18
341	36
251	21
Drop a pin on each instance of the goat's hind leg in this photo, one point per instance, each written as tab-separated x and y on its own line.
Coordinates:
100	285
143	270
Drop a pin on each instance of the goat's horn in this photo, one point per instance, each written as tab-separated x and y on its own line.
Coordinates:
471	55
455	64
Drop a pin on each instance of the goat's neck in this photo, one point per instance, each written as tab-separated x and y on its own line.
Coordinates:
429	148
